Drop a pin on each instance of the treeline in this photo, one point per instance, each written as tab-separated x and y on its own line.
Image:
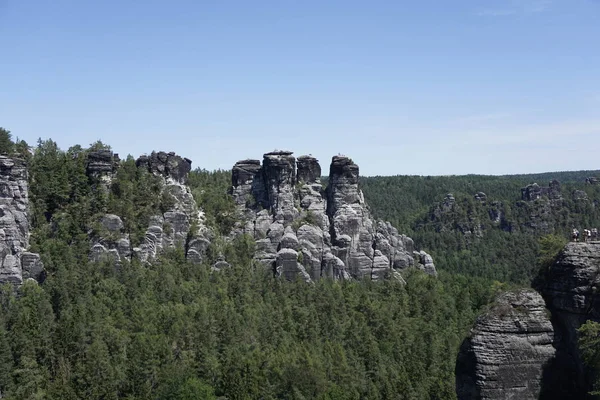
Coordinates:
173	330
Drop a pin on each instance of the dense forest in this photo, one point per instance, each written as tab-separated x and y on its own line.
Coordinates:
171	329
496	236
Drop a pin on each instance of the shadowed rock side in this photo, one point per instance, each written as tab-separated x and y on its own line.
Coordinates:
16	263
181	225
168	165
508	350
570	288
305	230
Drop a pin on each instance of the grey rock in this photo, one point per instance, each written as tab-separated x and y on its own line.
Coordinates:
570	287
592	180
426	263
381	266
220	264
32	266
289	241
534	191
112	223
101	163
279	174
182	225
508	348
11	271
167	165
336	236
579	195
481	197
275	232
309	170
14	224
288	267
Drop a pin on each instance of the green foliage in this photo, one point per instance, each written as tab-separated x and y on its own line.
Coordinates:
589	345
307	218
135	195
211	192
496	238
173	330
550	247
7	146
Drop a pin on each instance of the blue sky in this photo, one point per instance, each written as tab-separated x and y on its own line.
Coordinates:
403	87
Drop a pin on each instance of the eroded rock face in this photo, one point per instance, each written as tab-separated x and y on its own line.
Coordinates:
304	231
509	351
112	242
570	288
101	162
168	165
16	264
181	225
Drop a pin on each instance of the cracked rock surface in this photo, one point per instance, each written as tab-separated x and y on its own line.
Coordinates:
508	350
16	263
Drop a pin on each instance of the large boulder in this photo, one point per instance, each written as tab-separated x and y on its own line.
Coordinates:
508	351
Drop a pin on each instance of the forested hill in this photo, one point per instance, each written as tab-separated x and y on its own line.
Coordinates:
99	323
486	225
131	322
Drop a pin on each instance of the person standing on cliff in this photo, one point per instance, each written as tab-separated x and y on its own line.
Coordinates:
575	235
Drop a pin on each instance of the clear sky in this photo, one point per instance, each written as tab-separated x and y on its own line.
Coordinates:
403	87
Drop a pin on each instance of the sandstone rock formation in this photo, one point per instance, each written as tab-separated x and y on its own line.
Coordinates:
534	191
303	230
101	162
181	225
541	204
168	165
113	242
449	215
516	351
570	288
16	263
508	350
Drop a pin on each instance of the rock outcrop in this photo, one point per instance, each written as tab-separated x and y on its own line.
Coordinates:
112	241
541	205
303	230
534	191
101	163
517	351
570	287
509	350
17	264
179	225
168	165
